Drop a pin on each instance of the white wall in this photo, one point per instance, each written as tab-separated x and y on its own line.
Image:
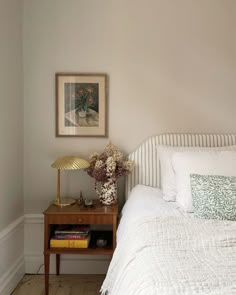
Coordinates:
11	146
11	112
58	36
171	67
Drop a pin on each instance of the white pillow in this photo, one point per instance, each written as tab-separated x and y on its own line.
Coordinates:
168	181
204	163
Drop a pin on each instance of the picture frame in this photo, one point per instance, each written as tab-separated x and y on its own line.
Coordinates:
81	104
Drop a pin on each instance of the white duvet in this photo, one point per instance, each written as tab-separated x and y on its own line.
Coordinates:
145	201
162	252
174	255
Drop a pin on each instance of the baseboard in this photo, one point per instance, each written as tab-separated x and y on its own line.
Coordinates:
70	264
11	256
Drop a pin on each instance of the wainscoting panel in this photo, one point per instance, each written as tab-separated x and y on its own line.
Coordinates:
11	256
70	264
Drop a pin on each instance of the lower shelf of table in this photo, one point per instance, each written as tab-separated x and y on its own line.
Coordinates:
92	249
98	251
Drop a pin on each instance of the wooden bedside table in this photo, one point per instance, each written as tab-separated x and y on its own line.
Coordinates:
76	214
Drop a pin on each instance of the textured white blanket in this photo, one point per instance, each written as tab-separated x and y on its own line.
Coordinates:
174	255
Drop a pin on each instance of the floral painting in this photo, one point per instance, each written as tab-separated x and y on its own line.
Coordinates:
81	102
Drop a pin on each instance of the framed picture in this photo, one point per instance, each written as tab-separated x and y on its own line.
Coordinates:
81	104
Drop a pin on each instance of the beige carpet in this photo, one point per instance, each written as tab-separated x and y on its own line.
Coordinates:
60	285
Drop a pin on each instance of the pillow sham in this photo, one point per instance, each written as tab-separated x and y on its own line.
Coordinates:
214	196
168	179
205	163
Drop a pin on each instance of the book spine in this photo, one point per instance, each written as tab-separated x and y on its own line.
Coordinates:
69	237
69	243
71	232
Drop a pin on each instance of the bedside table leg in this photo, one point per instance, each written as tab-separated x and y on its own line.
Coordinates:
46	272
57	264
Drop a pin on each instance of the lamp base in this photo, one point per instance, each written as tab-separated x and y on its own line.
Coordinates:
65	202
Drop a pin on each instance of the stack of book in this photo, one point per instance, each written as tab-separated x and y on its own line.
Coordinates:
71	236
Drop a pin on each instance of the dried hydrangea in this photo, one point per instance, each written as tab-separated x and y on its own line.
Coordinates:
109	164
93	156
98	164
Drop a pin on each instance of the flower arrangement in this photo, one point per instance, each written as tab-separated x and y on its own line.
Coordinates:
109	164
106	168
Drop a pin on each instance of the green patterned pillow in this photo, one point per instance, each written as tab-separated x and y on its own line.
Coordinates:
214	197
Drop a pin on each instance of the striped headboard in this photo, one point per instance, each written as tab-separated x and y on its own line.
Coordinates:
146	170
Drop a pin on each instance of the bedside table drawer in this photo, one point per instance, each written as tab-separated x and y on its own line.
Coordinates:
80	219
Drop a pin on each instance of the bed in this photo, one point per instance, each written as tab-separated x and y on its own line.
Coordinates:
177	233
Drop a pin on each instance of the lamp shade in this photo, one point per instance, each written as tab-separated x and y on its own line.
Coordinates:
70	163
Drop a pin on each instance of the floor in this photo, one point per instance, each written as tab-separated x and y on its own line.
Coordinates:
60	285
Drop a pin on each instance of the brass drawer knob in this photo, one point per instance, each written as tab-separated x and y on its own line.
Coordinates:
80	219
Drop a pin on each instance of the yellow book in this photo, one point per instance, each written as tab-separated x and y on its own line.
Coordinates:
84	243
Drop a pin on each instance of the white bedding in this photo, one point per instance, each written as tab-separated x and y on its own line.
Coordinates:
160	251
145	201
174	256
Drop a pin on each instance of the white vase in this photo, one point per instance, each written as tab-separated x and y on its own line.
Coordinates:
82	114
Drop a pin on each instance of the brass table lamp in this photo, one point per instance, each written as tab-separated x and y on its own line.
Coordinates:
67	163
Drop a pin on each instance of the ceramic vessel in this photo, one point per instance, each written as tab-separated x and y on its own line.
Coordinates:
107	193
